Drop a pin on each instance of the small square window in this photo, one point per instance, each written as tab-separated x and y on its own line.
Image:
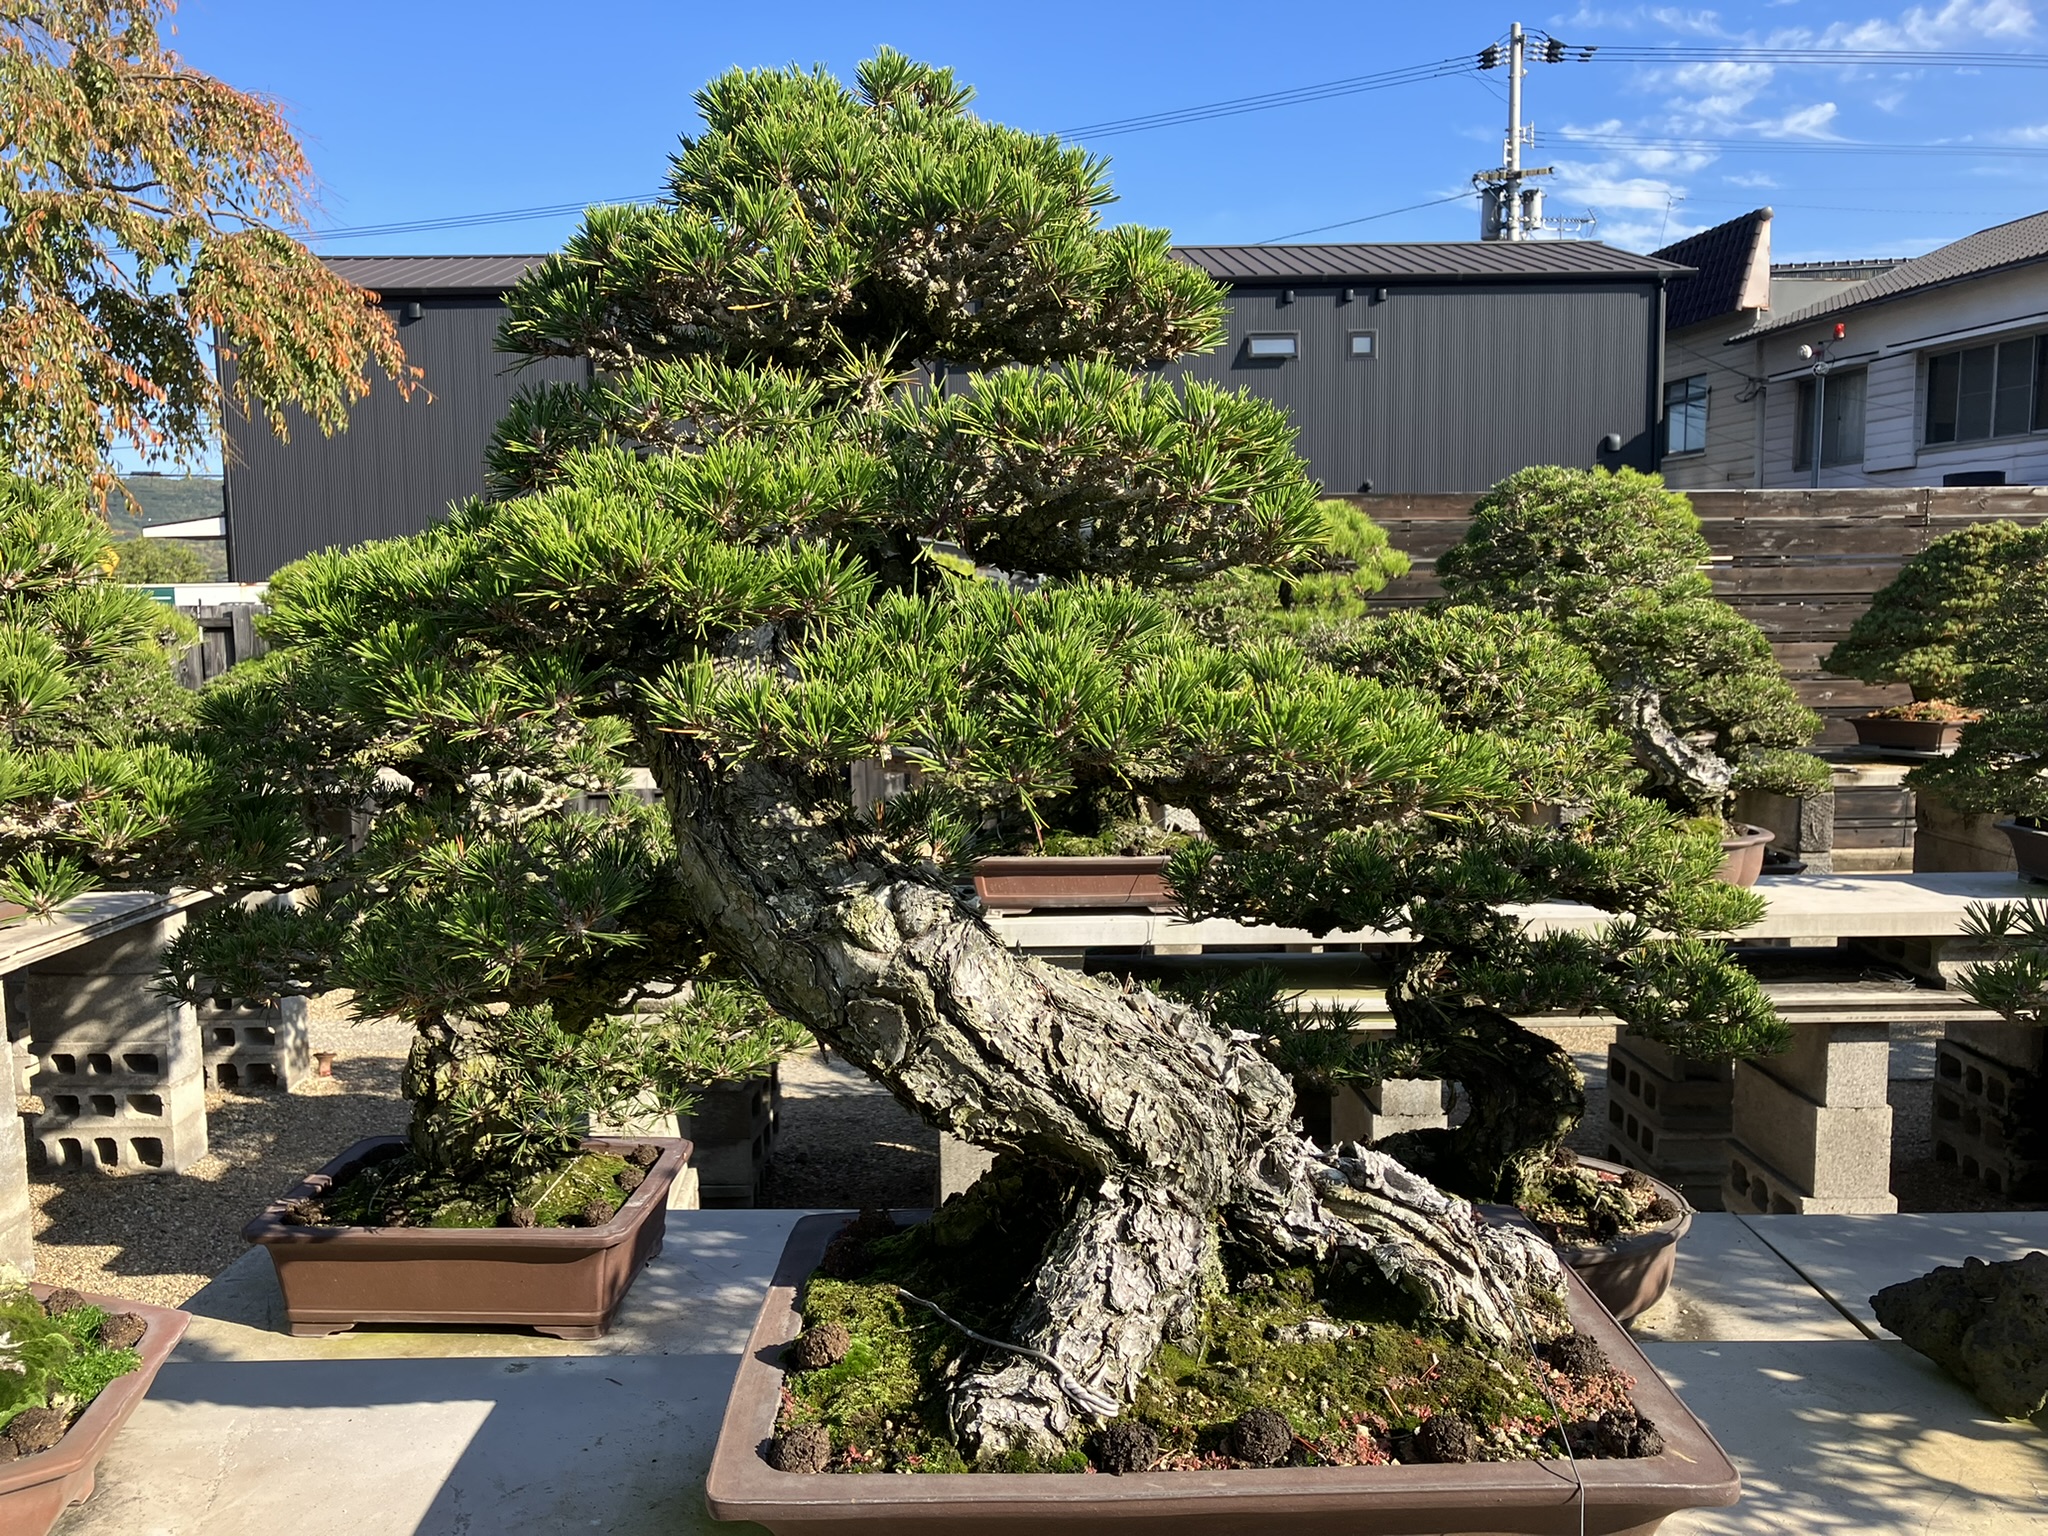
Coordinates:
1288	345
1365	344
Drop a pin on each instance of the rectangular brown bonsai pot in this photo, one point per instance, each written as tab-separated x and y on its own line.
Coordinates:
37	1489
567	1281
1029	883
1622	1498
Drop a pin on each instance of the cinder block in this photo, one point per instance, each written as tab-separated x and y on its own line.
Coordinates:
1754	1187
1988	1118
17	1223
1823	1151
732	1129
1669	1116
132	1103
1834	1064
253	1046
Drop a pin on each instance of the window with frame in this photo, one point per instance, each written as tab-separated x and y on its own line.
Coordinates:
1685	415
1999	390
1841	419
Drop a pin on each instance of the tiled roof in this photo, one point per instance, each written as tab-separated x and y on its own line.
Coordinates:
433	274
1435	261
1732	271
2017	244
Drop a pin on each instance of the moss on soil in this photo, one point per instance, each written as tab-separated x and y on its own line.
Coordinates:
393	1187
1576	1204
1338	1356
58	1362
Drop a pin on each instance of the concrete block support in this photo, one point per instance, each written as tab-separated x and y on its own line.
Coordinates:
1374	1111
960	1164
120	1069
1811	1129
1670	1117
733	1129
17	1221
1990	1097
250	1046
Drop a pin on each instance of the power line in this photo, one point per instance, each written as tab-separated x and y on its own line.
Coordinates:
1564	138
463	220
1435	202
1236	107
1701	53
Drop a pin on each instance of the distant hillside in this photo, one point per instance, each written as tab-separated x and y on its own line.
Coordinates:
172	499
164	499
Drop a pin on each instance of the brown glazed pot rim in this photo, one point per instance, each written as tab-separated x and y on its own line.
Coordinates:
1746	836
1692	1473
270	1228
1072	863
1628	1244
86	1440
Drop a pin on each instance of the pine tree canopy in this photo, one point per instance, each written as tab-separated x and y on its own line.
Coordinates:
1618	563
91	789
1921	627
715	563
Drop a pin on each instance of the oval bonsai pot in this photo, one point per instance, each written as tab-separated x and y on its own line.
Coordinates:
1622	1498
36	1490
1030	882
1630	1273
1742	854
567	1281
1891	733
2029	848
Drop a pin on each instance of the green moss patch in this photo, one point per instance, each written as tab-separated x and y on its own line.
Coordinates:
55	1362
1337	1356
1577	1204
395	1192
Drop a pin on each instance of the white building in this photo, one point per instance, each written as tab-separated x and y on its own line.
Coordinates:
1934	372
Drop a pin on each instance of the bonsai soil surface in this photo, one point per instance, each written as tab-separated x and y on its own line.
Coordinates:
1337	1358
582	1190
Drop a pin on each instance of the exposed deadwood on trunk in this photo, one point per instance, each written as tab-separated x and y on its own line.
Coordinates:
1172	1124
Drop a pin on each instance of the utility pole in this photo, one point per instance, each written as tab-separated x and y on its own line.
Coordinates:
1510	210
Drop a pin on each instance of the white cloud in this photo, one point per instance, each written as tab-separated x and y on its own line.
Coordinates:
1751	179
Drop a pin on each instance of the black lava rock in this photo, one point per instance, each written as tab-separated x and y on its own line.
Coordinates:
846	1257
1125	1446
1636	1182
123	1330
1985	1324
816	1348
596	1213
62	1300
630	1178
522	1216
1624	1433
1578	1355
806	1448
646	1155
36	1429
1446	1438
1260	1438
1663	1209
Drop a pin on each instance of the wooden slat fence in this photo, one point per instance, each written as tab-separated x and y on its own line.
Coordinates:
227	634
1802	565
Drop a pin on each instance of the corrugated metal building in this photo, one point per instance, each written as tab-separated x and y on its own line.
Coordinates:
1415	368
400	463
1408	368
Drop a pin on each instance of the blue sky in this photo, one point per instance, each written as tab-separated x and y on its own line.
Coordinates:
423	110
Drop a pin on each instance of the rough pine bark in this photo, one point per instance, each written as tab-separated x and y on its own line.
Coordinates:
1170	1123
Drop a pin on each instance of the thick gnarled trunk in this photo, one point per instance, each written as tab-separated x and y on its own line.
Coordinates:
1173	1125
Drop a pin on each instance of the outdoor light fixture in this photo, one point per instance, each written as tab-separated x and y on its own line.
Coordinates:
1379	295
1611	443
1286	295
1288	345
1350	294
413	311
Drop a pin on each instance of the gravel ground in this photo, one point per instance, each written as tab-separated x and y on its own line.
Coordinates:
845	1141
159	1239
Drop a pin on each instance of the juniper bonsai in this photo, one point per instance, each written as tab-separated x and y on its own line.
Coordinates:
1920	627
712	564
1619	564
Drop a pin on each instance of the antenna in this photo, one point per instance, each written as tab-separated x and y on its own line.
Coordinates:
1508	210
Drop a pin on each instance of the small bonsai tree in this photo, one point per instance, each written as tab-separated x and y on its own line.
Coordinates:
1921	627
1617	562
709	564
2001	766
91	791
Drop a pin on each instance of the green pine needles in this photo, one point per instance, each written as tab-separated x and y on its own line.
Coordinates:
866	327
1618	563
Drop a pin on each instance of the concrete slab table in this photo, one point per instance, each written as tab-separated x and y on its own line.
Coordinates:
249	1432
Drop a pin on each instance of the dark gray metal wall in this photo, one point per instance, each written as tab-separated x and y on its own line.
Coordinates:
1469	383
399	464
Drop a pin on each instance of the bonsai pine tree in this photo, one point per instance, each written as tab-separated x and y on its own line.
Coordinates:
91	790
2001	766
1618	563
1320	598
1920	628
711	564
